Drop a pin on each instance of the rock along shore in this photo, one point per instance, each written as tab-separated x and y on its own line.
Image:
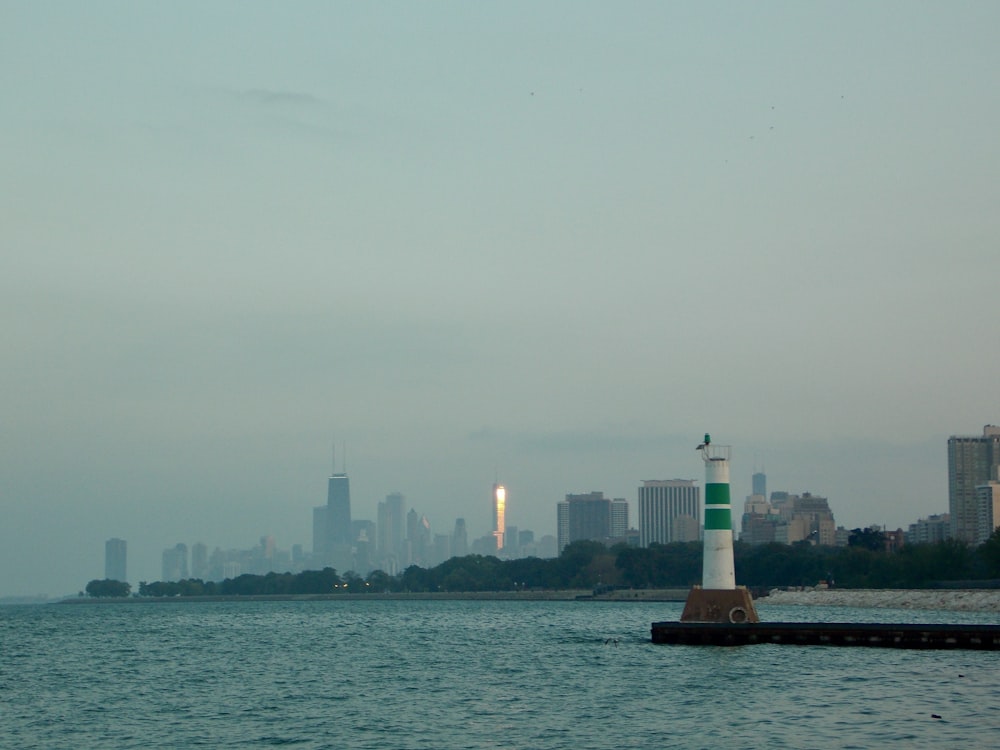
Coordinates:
966	600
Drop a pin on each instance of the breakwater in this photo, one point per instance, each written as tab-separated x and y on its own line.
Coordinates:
964	600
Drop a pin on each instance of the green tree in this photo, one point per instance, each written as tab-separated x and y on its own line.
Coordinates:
108	588
868	538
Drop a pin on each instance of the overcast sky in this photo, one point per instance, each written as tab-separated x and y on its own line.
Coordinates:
551	243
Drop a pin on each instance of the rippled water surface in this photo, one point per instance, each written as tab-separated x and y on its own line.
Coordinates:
462	674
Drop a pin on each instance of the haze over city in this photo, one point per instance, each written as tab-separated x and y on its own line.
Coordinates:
551	244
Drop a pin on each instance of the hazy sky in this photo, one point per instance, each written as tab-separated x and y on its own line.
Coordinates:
553	243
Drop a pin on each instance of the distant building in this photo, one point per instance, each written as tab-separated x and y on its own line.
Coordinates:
391	532
759	484
987	511
115	554
584	516
972	461
364	533
460	539
332	532
619	518
199	561
669	511
499	514
418	537
931	530
175	563
788	519
442	549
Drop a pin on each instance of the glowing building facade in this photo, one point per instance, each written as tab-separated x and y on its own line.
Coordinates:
499	514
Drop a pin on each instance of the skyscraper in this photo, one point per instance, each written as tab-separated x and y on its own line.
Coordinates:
114	560
332	537
669	511
759	483
499	514
390	529
338	509
972	461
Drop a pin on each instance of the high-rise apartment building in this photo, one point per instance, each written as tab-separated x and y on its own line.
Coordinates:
972	461
115	553
669	511
619	518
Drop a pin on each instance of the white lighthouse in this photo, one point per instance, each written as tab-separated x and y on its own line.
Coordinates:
718	599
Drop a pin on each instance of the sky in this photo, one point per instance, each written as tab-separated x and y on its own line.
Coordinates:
547	243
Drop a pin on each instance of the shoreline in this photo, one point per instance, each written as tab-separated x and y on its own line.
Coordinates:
569	595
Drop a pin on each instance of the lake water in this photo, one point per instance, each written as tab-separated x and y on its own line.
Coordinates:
445	675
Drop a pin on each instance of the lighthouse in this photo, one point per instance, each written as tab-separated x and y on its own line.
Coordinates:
718	599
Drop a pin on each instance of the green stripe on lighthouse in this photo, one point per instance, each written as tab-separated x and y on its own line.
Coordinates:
716	494
718	519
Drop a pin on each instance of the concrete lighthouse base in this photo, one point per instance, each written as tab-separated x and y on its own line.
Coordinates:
719	605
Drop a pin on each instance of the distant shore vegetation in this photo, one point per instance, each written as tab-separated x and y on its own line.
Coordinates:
591	565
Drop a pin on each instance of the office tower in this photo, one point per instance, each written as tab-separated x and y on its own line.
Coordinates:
759	483
175	563
972	461
499	513
114	560
584	516
669	511
460	539
619	517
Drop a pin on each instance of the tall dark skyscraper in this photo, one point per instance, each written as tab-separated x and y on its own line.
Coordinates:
338	510
332	536
114	560
759	483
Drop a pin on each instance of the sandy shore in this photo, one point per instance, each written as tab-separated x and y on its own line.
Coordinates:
953	600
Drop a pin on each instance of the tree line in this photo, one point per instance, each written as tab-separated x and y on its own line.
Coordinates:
589	565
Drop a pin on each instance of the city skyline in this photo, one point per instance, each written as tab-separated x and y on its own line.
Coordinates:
554	243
